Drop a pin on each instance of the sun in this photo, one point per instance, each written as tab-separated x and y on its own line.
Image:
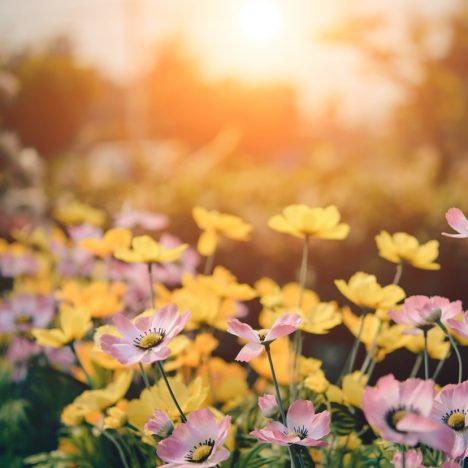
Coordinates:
259	20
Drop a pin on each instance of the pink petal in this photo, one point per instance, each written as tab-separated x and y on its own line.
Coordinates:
458	222
126	327
243	330
284	326
249	351
124	352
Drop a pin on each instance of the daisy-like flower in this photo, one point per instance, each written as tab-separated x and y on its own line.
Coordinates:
303	427
283	326
145	340
159	424
26	311
301	220
401	412
401	247
451	408
198	442
458	222
423	312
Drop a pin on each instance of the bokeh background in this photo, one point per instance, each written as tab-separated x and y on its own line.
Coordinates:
246	107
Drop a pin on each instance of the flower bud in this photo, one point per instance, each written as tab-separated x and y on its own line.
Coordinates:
159	424
268	405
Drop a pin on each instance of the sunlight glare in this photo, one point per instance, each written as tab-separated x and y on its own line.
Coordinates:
260	19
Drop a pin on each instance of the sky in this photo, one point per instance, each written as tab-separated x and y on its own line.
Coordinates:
119	36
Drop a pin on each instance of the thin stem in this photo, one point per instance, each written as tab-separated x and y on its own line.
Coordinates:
87	376
398	273
297	346
371	369
118	447
403	456
416	366
426	356
174	399
209	264
455	348
150	277
144	376
349	364
440	366
275	382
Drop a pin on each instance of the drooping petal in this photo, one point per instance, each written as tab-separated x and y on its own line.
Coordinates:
249	351
284	326
243	330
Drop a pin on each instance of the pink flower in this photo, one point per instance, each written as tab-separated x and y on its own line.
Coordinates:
283	326
451	408
460	327
423	311
401	412
268	405
303	427
198	442
413	459
458	222
26	311
145	340
159	424
151	221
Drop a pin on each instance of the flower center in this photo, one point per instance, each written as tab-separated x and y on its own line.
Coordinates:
395	415
23	319
299	431
150	339
455	419
201	452
263	333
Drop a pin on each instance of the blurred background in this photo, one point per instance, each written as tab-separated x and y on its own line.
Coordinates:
245	106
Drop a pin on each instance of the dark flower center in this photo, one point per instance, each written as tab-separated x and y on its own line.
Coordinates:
262	333
150	338
200	452
456	419
395	415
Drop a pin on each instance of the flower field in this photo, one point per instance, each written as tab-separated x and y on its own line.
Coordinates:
114	335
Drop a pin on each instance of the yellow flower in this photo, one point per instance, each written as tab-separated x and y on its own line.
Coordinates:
91	401
113	239
116	415
76	213
437	346
317	381
99	298
301	221
213	223
147	250
194	352
74	324
352	390
403	247
363	290
226	382
190	398
317	317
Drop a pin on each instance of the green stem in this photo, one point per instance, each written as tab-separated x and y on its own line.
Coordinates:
416	366
174	399
398	273
150	277
209	264
403	456
144	376
118	447
349	364
455	348
440	365
426	356
87	376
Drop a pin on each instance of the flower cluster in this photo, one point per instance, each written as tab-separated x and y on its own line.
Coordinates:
135	336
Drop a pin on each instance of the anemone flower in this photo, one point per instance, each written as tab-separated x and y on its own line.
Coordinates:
458	222
268	405
423	311
22	312
145	340
159	424
413	459
303	427
451	408
283	326
400	411
198	442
